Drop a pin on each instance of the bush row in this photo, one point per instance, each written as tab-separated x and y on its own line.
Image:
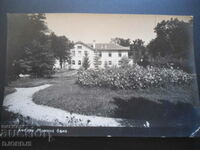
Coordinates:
132	77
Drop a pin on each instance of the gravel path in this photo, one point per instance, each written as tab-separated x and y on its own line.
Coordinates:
21	102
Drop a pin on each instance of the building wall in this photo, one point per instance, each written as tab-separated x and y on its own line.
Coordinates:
114	59
78	53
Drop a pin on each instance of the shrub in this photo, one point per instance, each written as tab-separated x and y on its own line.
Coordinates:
132	77
86	62
124	62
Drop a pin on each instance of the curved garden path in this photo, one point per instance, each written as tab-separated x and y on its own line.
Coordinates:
20	102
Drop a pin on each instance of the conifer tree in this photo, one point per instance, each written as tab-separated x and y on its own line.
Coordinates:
86	62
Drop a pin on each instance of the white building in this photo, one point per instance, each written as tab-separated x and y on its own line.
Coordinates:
108	53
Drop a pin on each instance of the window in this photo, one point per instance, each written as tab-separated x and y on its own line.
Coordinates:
73	62
79	53
110	54
100	54
100	62
120	54
73	53
79	47
110	62
119	62
79	62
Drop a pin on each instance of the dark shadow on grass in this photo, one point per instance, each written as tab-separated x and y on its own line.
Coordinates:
164	113
9	118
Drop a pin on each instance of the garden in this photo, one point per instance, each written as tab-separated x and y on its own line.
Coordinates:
133	77
163	95
141	91
164	103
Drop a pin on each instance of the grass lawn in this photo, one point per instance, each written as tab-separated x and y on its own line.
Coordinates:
33	82
138	104
71	97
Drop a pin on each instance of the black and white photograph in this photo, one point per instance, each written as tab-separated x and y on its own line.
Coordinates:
100	70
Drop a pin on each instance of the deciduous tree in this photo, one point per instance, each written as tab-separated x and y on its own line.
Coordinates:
174	40
61	46
28	46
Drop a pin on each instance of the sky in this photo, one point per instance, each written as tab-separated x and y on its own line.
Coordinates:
103	27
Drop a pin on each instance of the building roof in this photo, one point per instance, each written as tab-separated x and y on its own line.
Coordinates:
105	46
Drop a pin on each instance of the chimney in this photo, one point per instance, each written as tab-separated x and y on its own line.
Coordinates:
94	44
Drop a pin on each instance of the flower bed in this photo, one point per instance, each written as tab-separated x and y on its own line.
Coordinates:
132	77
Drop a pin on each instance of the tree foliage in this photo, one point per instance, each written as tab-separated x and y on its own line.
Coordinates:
19	36
28	46
61	46
86	62
173	40
31	49
121	41
124	62
37	60
173	37
137	50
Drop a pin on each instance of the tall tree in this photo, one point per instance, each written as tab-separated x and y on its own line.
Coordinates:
18	36
86	62
173	37
138	50
38	60
173	40
61	46
23	30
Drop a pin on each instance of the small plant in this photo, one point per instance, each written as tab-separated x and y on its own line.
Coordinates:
106	64
86	62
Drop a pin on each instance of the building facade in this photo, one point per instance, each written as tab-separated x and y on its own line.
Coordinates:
108	54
